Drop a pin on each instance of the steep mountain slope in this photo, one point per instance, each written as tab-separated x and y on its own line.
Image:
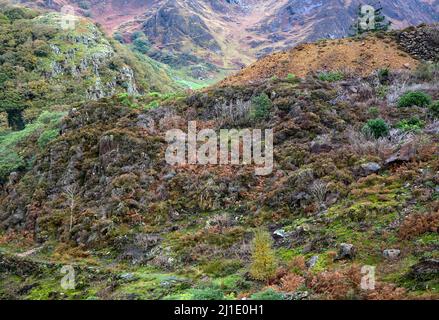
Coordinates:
224	34
45	69
354	183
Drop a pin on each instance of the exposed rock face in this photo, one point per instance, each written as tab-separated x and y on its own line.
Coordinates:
87	55
170	27
421	42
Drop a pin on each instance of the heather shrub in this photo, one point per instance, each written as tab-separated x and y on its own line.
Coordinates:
264	264
414	98
222	268
377	128
374	112
434	109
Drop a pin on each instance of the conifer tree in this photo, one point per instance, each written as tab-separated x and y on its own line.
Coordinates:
370	20
264	264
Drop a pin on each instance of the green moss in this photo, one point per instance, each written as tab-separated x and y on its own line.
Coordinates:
268	294
207	294
221	268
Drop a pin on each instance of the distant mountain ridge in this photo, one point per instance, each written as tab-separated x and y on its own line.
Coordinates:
228	34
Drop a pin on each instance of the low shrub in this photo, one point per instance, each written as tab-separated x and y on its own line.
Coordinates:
378	128
384	75
374	112
268	294
9	162
434	109
412	124
414	98
330	76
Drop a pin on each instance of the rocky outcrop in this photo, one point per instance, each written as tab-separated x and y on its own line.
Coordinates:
421	42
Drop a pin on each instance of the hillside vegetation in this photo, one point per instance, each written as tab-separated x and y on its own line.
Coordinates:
84	181
44	70
355	184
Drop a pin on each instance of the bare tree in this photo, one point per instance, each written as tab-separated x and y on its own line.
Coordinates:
70	192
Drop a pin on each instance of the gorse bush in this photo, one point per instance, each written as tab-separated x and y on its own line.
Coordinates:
378	128
261	106
264	264
414	98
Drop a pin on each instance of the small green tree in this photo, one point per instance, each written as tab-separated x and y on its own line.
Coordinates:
370	19
264	264
261	106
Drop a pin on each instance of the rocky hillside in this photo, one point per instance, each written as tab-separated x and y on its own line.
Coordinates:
358	55
45	69
355	183
200	38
